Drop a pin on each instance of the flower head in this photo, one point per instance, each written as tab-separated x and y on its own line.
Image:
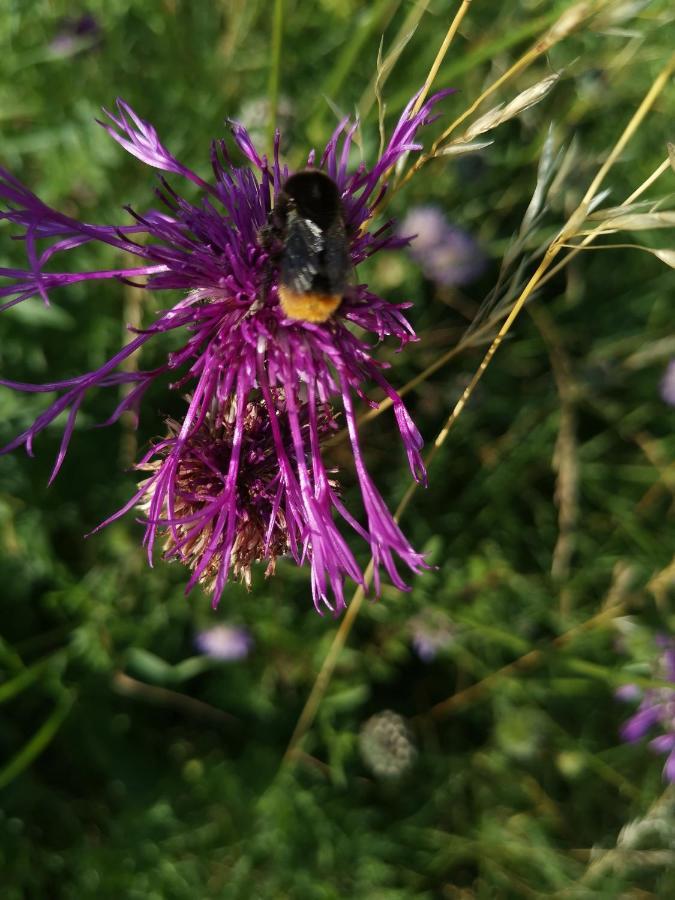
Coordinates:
229	496
238	341
386	744
446	254
224	642
656	709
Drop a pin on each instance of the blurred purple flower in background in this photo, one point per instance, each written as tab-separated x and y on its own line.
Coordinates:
656	709
446	254
431	632
76	34
224	642
668	383
239	345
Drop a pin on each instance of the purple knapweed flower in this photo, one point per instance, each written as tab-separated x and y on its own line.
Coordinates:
668	384
656	709
446	254
237	340
224	642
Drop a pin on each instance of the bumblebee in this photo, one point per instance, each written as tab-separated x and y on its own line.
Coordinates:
312	246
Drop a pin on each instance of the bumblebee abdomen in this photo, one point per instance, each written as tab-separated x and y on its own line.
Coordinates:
308	306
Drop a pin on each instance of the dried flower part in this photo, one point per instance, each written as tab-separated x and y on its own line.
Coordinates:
656	709
386	745
223	506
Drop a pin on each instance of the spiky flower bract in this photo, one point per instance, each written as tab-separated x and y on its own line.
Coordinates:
238	341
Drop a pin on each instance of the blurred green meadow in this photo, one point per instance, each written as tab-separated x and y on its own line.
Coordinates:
131	766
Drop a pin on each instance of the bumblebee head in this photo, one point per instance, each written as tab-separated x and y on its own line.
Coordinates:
315	196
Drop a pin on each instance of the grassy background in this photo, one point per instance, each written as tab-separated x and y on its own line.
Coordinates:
127	774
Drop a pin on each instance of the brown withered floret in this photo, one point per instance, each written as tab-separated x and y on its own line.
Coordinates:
261	533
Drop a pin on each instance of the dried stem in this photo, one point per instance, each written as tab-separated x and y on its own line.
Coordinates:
480	335
648	182
308	713
565	456
440	56
399	43
600	229
526	661
160	696
564	26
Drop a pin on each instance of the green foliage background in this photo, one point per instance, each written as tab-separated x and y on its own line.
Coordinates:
131	769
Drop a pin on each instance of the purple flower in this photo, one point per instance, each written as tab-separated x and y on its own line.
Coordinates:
239	346
224	642
656	709
76	34
431	632
668	383
446	254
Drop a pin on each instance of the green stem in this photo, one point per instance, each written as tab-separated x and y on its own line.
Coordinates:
26	677
40	740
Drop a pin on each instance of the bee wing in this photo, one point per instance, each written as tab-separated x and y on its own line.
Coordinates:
302	255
